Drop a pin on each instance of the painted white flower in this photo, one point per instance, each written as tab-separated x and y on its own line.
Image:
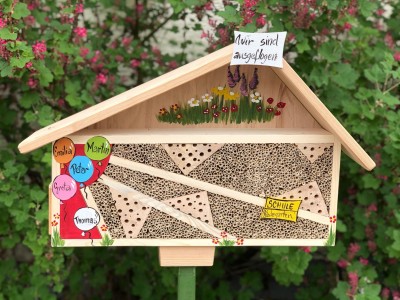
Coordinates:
207	98
255	97
220	88
193	102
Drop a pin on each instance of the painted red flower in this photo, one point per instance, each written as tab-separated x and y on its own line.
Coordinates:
216	114
214	106
239	241
56	216
175	107
103	227
270	100
269	110
54	223
259	108
163	111
206	111
277	113
224	234
332	219
179	116
215	241
281	104
225	109
234	108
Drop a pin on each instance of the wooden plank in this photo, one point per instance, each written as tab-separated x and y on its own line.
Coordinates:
195	242
324	117
212	188
186	256
201	135
149	201
126	100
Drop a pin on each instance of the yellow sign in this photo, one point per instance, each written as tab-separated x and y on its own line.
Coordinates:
281	209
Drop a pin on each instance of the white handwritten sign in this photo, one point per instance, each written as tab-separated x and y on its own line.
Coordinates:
265	49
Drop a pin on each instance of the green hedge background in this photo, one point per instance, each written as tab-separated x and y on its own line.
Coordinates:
57	59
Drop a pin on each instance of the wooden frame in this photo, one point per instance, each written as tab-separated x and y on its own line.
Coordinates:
229	136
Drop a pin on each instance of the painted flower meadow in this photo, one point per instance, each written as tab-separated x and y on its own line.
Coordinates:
222	104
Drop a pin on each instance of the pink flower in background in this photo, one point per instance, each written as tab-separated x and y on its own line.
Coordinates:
80	32
79	8
352	250
396	56
156	51
32	82
364	261
139	8
371	246
306	249
28	65
396	295
39	48
119	58
126	41
172	65
83	52
342	264
353	281
208	6
32	5
203	35
96	57
385	294
61	102
29	20
144	55
347	26
135	63
3	23
261	21
101	78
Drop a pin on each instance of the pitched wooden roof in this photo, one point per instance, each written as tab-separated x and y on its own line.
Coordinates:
182	75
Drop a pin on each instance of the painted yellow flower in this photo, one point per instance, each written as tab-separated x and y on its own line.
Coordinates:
231	96
219	91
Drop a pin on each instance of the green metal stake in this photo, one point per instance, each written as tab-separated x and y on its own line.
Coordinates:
187	283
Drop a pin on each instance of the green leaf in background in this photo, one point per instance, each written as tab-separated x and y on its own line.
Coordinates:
20	11
344	75
6	34
230	14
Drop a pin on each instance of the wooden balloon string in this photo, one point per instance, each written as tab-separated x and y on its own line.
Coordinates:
85	193
90	237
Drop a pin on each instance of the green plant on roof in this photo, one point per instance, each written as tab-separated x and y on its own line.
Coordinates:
223	105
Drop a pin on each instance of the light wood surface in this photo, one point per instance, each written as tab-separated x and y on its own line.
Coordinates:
180	84
212	188
186	256
161	206
201	135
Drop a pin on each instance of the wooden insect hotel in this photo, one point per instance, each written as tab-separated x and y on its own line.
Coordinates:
204	156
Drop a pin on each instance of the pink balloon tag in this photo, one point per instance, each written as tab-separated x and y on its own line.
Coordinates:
64	187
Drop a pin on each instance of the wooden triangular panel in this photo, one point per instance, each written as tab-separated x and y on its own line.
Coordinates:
312	151
195	205
189	156
311	197
133	214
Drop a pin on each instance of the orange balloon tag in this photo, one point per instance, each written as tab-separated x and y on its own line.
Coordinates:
63	150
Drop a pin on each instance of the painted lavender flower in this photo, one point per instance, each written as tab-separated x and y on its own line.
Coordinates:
254	81
236	76
231	81
243	87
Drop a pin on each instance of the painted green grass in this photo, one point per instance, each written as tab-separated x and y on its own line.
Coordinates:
56	240
106	240
220	111
331	238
